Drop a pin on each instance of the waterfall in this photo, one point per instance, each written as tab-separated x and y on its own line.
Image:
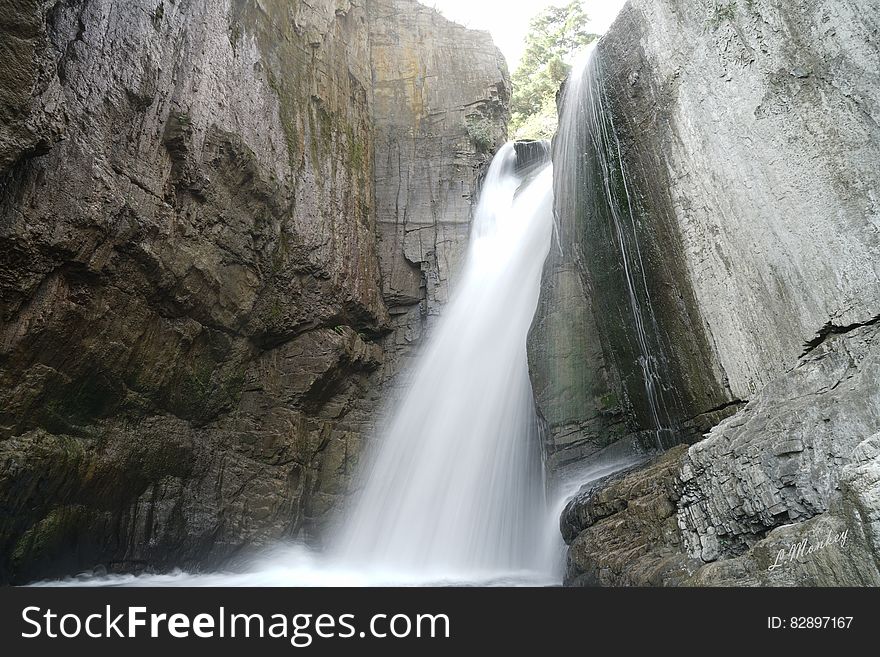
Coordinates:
592	178
455	488
583	143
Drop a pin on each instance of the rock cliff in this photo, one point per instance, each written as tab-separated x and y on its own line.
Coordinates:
748	136
223	225
439	120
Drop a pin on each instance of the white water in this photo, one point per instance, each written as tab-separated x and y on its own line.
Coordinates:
454	493
455	489
298	566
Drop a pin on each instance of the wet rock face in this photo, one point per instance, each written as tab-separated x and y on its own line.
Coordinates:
622	532
749	133
195	311
531	154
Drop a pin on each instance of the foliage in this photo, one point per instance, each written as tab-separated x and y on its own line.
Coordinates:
554	36
479	130
540	125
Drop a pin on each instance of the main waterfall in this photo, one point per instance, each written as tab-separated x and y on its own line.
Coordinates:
455	485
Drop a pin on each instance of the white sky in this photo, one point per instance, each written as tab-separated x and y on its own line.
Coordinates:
508	20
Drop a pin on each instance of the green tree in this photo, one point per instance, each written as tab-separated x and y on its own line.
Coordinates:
554	36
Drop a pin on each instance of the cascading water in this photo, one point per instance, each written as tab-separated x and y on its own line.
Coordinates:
592	178
455	488
454	491
581	143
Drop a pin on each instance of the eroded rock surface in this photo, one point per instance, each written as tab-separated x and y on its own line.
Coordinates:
439	120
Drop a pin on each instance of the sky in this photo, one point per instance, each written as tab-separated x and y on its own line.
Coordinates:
508	20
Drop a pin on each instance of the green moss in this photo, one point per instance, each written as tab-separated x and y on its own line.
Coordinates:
289	123
321	129
479	130
357	150
233	384
358	155
312	129
325	121
287	65
48	536
609	401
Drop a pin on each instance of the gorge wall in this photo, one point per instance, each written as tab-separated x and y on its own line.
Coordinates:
223	226
748	136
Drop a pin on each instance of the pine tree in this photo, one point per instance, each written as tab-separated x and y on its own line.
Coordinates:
554	36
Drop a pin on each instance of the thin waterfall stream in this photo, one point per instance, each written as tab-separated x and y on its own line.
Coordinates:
592	176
